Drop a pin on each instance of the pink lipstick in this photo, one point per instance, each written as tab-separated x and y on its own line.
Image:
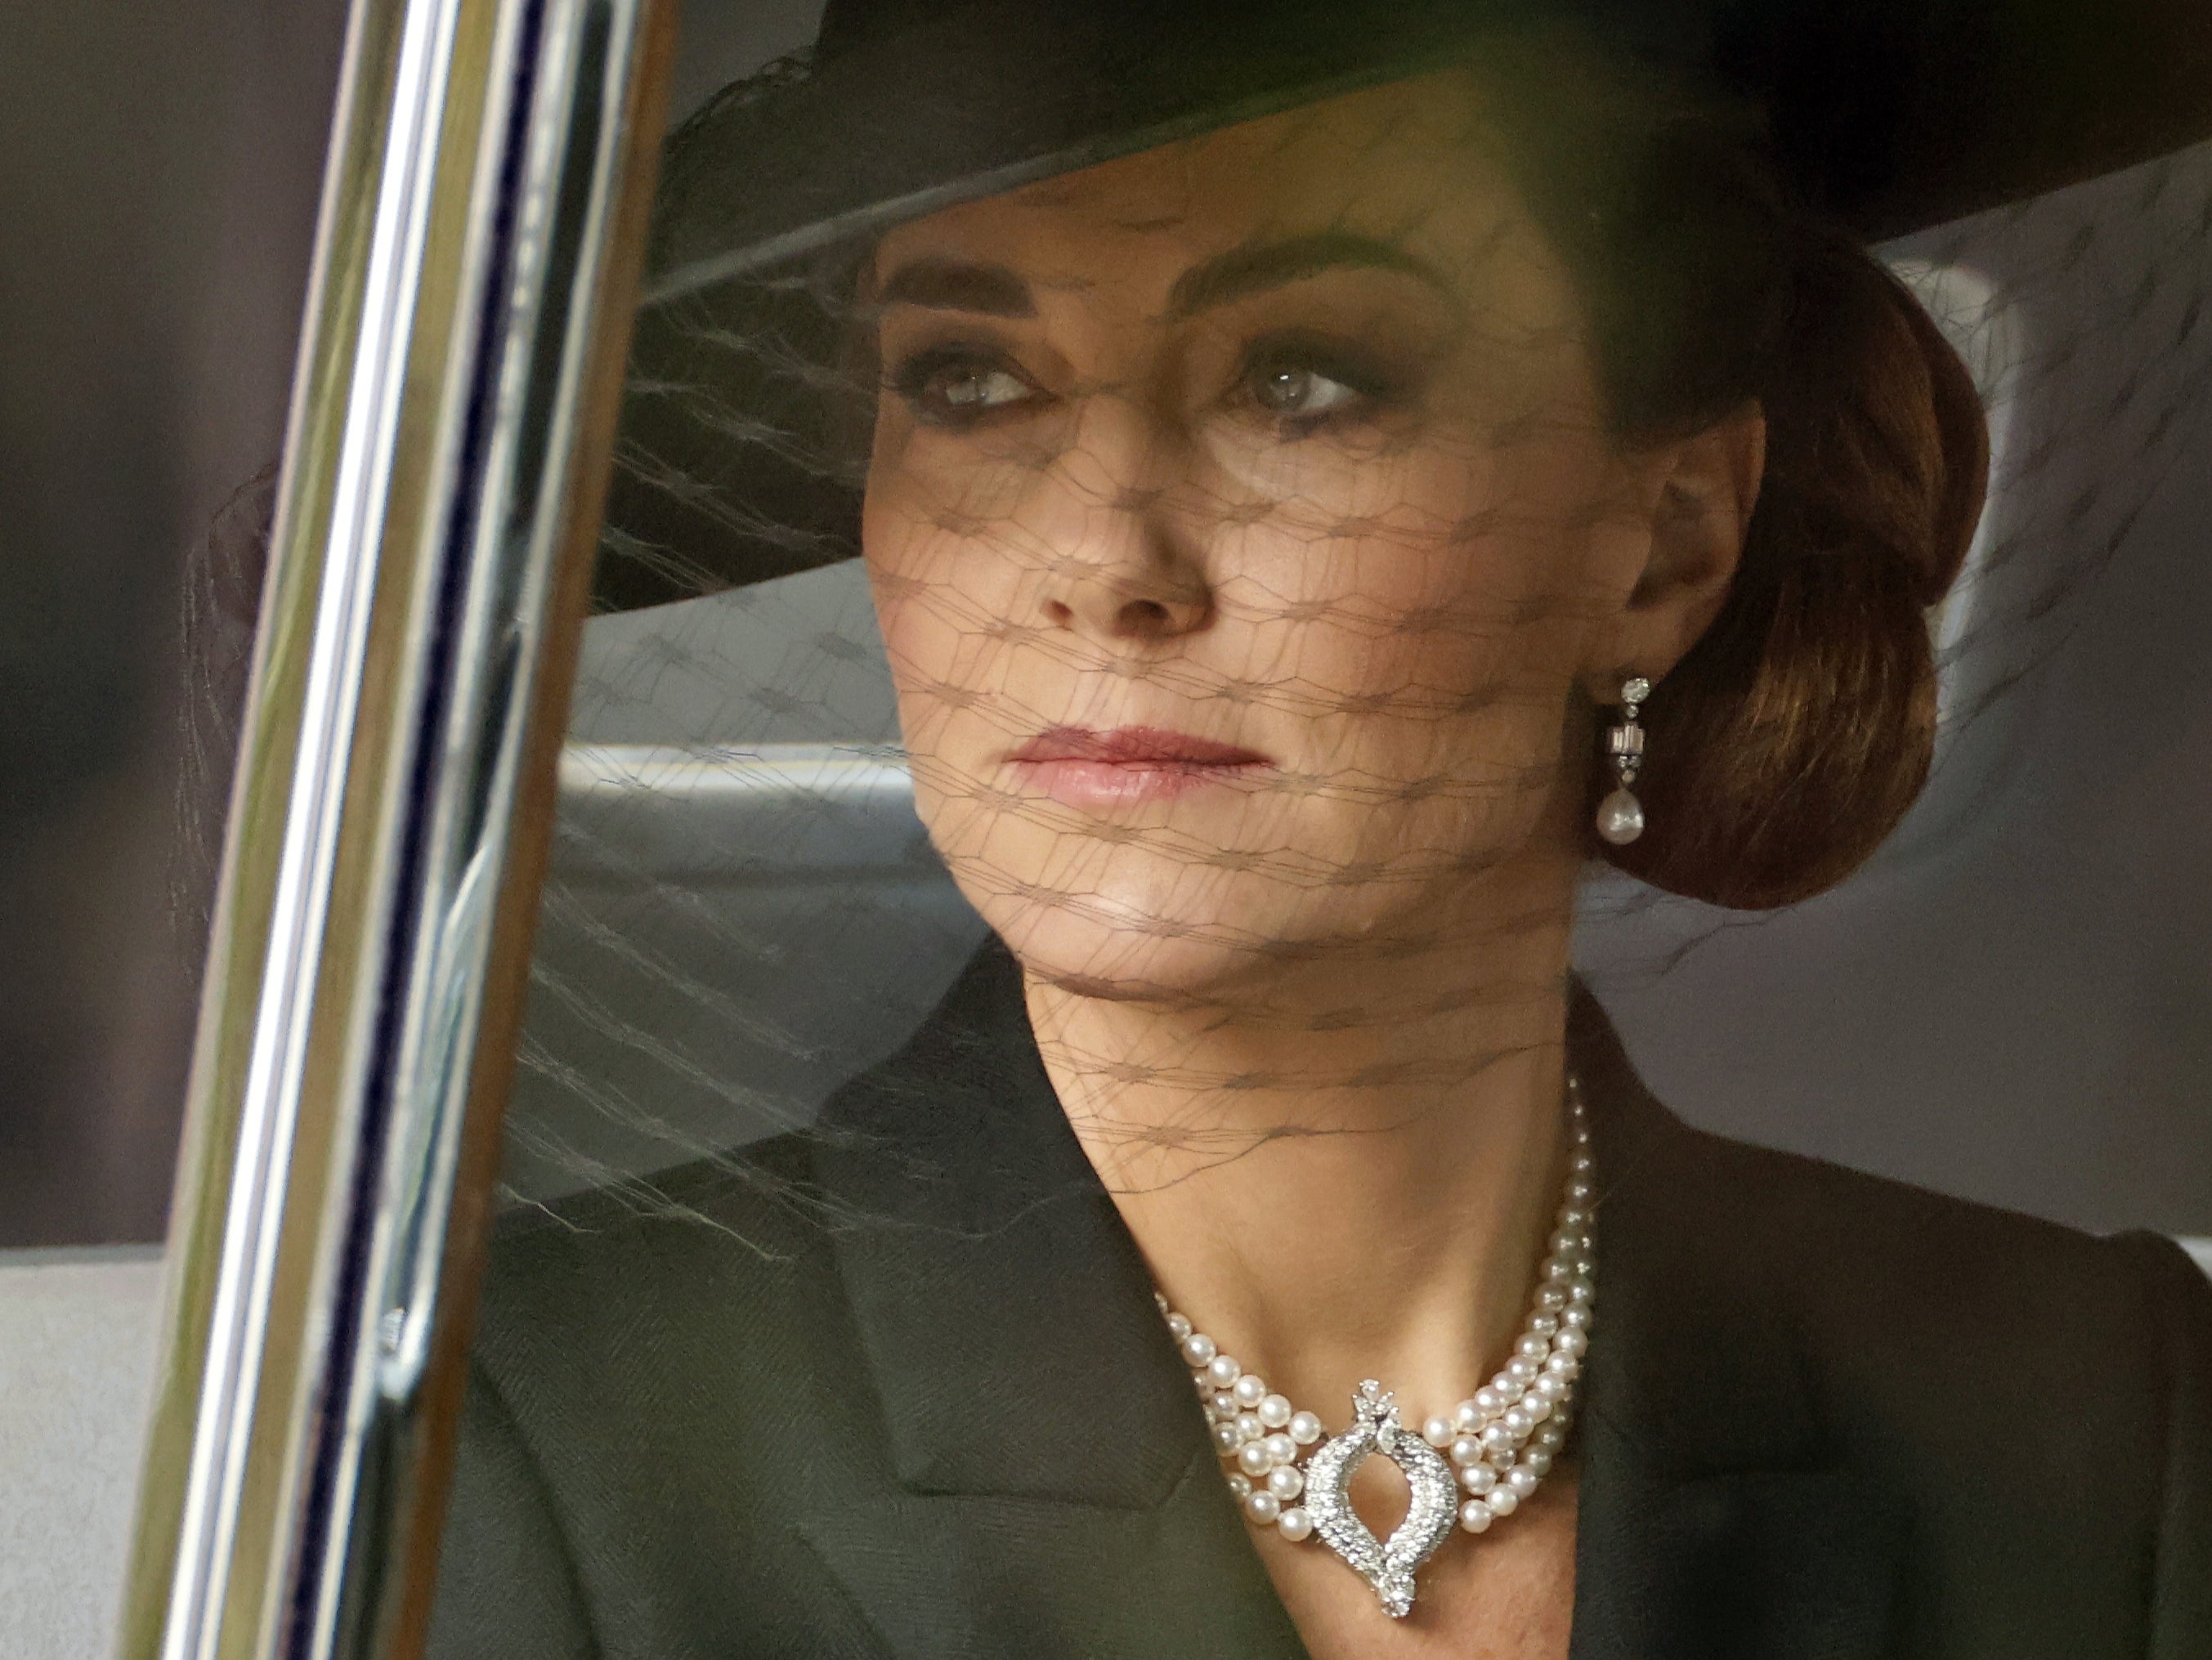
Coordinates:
1087	769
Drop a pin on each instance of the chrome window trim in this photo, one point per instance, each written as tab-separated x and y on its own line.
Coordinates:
481	228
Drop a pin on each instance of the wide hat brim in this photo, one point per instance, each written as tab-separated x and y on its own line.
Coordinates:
1886	115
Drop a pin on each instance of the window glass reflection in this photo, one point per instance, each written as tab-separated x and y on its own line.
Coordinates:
1259	741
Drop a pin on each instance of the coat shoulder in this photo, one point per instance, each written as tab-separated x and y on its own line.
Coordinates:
2031	1403
1930	1270
580	1290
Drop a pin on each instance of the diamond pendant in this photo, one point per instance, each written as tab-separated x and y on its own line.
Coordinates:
1387	1564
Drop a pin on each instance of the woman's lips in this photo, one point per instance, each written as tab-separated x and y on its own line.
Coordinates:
1087	769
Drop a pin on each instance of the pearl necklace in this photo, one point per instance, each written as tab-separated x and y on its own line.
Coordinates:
1499	1443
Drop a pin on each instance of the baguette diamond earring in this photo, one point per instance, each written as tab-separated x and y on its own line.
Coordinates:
1620	815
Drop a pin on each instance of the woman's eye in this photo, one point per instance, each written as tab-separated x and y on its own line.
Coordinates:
980	389
1310	384
957	390
1302	394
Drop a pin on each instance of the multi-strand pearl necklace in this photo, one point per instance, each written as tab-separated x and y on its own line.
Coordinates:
1499	1443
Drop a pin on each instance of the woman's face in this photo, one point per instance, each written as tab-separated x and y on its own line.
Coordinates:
1242	518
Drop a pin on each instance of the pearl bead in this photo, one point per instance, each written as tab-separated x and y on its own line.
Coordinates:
1198	1348
1558	1270
1466	1451
1579	1290
1275	1411
1552	1300
1178	1328
1569	1243
1280	1447
1224	1404
1478	1478
1240	1487
1542	1325
1488	1400
1574	1341
1252	1458
1475	1516
1522	1371
1502	1500
1551	1388
1495	1435
1224	1370
1580	1192
1573	1319
1285	1483
1621	818
1539	1459
1160	1302
1226	1438
1534	1347
1305	1428
1437	1432
1251	1389
1522	1480
1294	1525
1535	1405
1507	1388
1248	1428
1263	1507
1550	1439
1467	1417
1517	1422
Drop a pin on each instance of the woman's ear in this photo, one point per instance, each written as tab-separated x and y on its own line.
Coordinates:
1702	490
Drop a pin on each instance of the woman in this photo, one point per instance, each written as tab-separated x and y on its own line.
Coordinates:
1280	500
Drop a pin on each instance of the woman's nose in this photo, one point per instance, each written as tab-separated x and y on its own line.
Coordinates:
1124	558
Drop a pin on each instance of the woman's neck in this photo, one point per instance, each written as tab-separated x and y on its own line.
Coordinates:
1330	1199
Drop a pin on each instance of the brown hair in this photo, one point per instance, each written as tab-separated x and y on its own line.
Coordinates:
1789	741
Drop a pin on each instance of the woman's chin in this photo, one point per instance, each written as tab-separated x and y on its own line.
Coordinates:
1124	952
1118	954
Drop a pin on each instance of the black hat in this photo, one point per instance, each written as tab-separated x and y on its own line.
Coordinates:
1885	116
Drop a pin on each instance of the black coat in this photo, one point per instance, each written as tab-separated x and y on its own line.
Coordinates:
900	1389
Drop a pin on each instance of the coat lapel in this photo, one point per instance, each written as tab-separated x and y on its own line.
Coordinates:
1773	1563
1716	1521
1056	1491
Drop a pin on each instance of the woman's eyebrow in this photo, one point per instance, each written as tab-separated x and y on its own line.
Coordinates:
1263	265
943	284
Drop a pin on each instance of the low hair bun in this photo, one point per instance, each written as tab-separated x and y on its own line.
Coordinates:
1792	738
1789	742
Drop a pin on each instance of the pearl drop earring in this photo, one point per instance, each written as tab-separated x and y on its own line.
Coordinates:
1620	815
